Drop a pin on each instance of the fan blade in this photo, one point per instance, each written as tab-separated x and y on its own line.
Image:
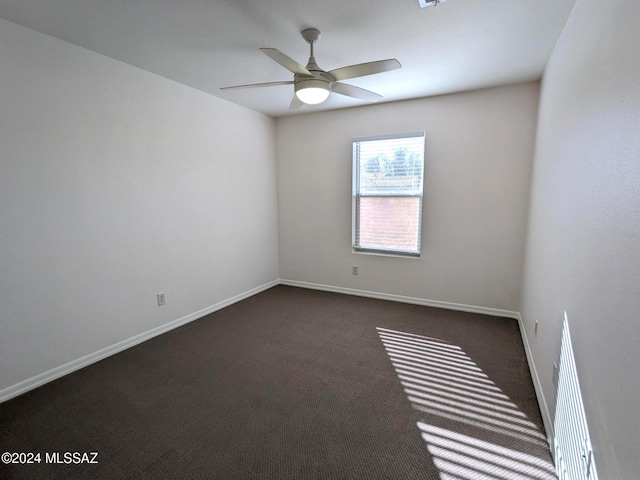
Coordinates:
286	61
254	85
355	92
296	103
363	69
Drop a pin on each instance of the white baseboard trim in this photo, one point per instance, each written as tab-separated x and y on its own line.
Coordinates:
54	373
542	402
496	312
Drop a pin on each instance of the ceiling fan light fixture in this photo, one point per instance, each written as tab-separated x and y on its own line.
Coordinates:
313	91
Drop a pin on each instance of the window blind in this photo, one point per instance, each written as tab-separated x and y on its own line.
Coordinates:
387	193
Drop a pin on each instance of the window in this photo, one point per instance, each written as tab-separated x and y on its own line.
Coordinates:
387	193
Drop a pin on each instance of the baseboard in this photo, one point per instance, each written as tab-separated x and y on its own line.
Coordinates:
46	377
404	299
544	409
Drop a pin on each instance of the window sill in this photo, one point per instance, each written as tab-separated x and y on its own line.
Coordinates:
387	254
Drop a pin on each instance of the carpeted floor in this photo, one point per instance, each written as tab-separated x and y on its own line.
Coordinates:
294	384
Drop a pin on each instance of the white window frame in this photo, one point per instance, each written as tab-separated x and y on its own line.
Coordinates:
357	195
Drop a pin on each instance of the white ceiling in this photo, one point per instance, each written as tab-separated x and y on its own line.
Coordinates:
208	44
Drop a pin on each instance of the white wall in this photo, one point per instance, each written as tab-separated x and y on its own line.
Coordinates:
583	253
477	176
116	184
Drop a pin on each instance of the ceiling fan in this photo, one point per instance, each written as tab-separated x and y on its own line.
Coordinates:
312	85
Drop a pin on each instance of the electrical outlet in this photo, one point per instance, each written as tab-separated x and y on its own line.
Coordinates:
535	331
354	269
161	299
555	375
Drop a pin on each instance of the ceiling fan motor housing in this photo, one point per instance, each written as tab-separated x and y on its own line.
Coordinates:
320	79
311	82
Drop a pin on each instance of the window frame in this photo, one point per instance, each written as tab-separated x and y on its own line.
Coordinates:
356	195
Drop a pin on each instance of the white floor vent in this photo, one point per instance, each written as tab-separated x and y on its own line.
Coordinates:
573	452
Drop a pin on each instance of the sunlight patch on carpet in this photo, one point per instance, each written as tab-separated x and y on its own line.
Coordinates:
441	380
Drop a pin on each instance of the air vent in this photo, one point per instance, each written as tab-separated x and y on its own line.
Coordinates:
573	451
429	3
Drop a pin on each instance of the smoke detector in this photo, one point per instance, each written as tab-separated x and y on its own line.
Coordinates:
429	3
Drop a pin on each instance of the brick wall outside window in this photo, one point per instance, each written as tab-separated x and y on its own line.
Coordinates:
389	222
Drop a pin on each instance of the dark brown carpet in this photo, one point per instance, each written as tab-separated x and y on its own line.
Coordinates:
295	384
